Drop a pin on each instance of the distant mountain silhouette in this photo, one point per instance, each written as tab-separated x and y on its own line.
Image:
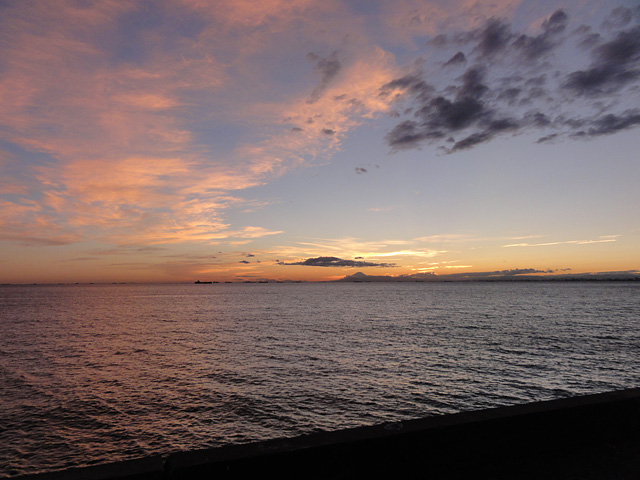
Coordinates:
416	277
516	275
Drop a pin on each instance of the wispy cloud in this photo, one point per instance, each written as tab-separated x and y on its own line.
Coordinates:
412	253
447	237
602	239
119	112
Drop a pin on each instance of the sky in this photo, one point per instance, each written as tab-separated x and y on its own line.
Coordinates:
183	140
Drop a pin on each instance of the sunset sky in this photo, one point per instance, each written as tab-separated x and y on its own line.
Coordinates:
311	139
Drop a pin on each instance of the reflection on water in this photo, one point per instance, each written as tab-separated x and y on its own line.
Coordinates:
93	373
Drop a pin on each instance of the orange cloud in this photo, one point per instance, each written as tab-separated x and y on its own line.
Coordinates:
127	128
119	150
29	224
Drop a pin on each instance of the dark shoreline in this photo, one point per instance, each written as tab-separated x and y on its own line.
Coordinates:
585	437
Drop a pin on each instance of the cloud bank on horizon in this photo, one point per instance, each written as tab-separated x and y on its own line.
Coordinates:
157	131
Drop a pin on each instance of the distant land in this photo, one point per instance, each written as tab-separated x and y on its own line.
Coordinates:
515	275
497	276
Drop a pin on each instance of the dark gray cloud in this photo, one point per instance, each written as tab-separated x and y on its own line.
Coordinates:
496	37
619	17
328	131
438	41
493	38
361	170
244	261
515	83
590	40
537	46
490	130
537	119
623	49
465	109
413	84
328	67
510	95
336	262
441	116
547	138
457	59
610	123
615	64
509	273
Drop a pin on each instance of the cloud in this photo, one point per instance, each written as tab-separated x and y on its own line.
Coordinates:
519	271
105	146
373	253
407	19
520	82
336	262
448	237
31	224
615	64
255	232
123	116
611	123
499	273
140	130
602	239
328	67
440	117
538	46
457	59
493	38
619	17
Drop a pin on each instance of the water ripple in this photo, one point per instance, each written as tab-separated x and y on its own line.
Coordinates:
93	374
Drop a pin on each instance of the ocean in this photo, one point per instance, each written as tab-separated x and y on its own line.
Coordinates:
99	373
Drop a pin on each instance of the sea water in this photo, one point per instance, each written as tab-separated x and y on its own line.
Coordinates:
99	373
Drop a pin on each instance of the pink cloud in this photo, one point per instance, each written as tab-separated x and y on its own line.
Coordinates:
29	224
126	129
